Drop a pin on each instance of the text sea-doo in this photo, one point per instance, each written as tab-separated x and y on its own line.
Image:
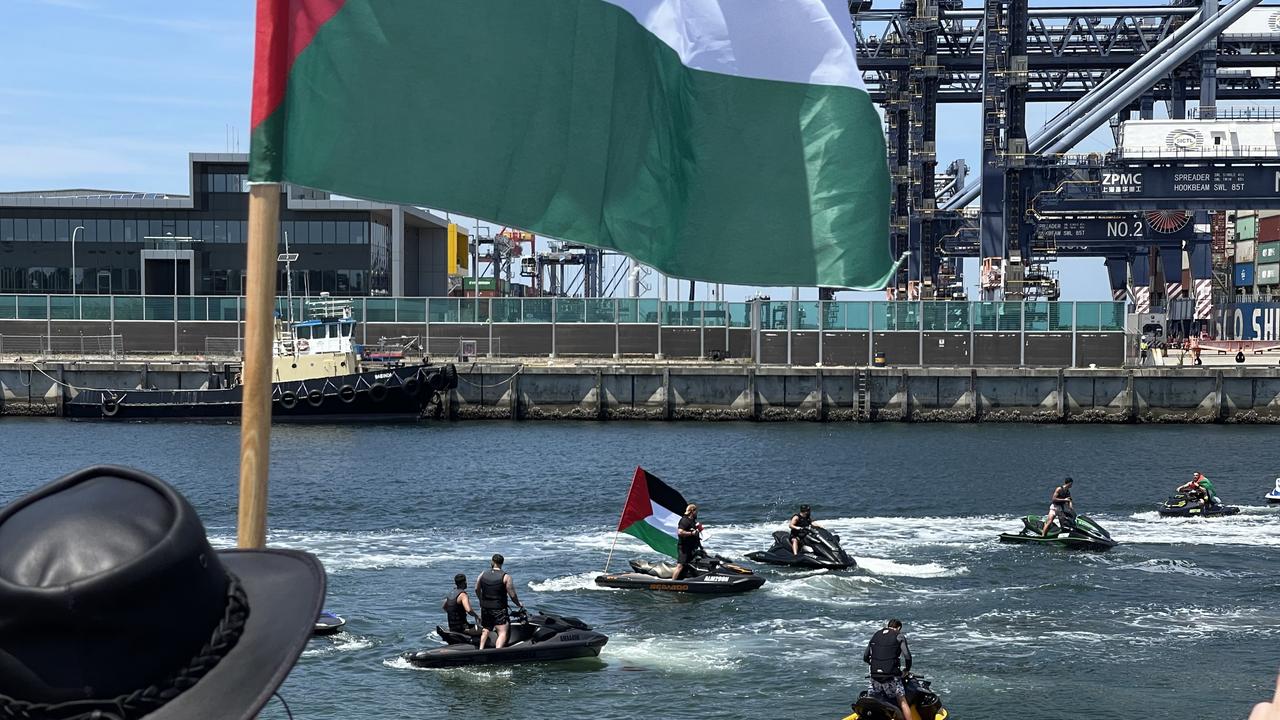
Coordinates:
1182	506
328	623
713	575
539	637
927	705
1082	533
1274	495
819	548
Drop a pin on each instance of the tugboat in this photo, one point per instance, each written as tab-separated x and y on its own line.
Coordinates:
318	372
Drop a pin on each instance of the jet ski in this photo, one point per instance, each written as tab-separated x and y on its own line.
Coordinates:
1080	532
1274	495
1181	505
926	704
328	623
538	637
706	575
819	548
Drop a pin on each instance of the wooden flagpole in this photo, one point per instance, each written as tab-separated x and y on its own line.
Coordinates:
259	326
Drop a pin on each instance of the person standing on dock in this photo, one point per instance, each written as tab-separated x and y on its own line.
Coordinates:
688	539
493	587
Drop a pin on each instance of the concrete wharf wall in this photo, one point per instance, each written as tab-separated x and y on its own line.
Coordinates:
737	391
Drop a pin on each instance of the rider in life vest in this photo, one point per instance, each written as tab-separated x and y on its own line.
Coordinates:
457	605
886	648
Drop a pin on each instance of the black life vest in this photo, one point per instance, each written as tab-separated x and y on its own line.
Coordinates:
492	590
884	654
453	610
803	521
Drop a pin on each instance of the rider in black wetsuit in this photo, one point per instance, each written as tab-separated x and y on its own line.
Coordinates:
688	540
457	605
493	587
883	652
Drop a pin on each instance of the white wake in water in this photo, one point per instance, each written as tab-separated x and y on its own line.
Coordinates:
568	583
340	643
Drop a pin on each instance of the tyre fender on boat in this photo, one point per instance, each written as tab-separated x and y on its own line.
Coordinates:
315	398
110	405
377	392
347	394
288	399
412	386
303	346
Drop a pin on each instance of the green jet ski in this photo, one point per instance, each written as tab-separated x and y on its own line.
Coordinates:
1080	533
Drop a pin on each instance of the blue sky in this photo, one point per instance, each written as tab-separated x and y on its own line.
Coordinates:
112	94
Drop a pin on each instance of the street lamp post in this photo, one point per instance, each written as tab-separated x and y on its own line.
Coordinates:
175	240
73	258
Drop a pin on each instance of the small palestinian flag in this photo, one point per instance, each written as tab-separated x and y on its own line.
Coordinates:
652	512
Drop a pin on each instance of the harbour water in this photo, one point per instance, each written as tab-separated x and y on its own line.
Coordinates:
1182	620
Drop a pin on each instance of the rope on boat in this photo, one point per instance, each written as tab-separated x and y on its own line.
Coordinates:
77	388
508	379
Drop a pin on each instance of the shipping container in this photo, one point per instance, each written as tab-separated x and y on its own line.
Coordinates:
1269	229
1246	228
1243	275
1244	251
1268	274
1268	252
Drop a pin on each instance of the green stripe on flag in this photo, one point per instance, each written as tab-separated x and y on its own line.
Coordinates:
654	537
568	118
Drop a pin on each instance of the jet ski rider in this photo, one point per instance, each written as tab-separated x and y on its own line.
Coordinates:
1060	506
457	606
492	588
1201	488
688	540
883	652
799	527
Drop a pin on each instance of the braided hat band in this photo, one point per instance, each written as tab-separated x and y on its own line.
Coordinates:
139	703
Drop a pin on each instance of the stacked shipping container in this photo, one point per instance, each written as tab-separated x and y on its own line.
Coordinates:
1256	251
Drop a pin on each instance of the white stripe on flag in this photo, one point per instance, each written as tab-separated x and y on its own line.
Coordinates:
800	41
663	519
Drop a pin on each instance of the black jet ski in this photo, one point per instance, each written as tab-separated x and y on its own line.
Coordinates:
1181	505
707	574
538	637
328	623
926	704
1081	533
819	548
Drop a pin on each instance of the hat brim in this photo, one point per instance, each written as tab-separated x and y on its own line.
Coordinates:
285	591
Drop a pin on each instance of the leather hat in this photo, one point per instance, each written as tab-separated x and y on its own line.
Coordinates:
115	606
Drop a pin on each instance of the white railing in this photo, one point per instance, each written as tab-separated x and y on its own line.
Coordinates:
84	346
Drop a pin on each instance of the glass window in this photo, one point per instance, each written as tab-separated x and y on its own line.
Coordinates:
330	233
219	232
131	231
299	234
157	228
344	232
313	231
206	231
358	232
117	231
20	230
6	229
219	183
104	231
181	229
61	232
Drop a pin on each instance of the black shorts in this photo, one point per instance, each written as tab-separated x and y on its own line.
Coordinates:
799	532
490	619
686	556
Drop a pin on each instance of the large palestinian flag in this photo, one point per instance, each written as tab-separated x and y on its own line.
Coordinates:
653	512
723	140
